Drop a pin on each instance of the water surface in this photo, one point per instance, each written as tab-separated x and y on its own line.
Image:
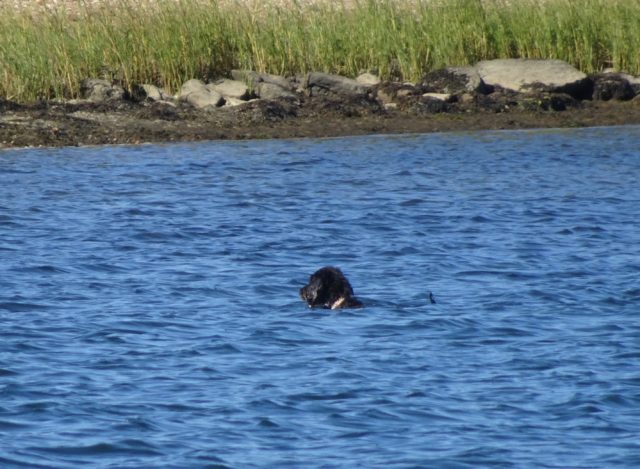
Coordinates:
150	318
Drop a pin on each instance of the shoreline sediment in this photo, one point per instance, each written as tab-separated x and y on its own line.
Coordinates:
52	126
497	94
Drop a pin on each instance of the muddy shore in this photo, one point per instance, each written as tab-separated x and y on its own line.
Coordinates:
497	94
72	124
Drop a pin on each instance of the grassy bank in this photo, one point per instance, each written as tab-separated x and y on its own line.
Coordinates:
46	53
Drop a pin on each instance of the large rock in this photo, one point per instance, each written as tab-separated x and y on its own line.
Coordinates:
97	90
265	85
230	89
634	81
429	105
325	83
455	80
524	75
234	102
368	79
199	96
607	86
147	92
273	92
394	92
446	97
254	78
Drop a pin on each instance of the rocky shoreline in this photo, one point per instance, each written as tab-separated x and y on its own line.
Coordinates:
494	94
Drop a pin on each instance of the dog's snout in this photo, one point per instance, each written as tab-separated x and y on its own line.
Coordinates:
308	294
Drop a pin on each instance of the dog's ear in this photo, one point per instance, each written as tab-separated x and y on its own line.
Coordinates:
343	287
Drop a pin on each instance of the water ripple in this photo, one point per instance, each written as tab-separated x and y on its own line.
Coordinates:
150	313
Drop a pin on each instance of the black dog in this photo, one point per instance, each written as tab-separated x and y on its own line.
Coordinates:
329	288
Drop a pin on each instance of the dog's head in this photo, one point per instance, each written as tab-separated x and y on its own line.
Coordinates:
329	288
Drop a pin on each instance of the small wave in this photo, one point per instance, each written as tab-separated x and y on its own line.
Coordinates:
42	269
9	425
480	219
137	424
15	307
310	396
5	462
412	202
7	221
158	236
378	414
588	229
133	212
225	349
269	405
355	434
102	267
130	447
267	422
634	355
345	375
619	400
509	332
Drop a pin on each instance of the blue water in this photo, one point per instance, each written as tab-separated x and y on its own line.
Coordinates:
149	310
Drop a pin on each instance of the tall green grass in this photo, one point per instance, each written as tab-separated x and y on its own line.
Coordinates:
46	53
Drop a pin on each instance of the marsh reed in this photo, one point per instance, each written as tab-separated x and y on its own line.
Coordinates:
45	51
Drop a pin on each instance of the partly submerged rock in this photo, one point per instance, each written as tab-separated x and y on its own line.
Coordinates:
505	100
146	92
232	102
455	80
607	86
446	97
196	93
273	92
634	81
97	90
523	75
230	89
325	83
429	105
254	78
368	79
394	92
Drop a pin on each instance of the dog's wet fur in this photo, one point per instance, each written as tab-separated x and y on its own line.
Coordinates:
329	288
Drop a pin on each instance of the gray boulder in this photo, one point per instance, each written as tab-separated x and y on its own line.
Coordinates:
97	90
455	80
608	86
265	85
394	92
429	105
150	93
522	75
273	92
325	83
368	79
199	96
446	97
230	89
633	81
233	102
254	78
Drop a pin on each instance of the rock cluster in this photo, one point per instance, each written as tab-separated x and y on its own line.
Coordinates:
493	85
